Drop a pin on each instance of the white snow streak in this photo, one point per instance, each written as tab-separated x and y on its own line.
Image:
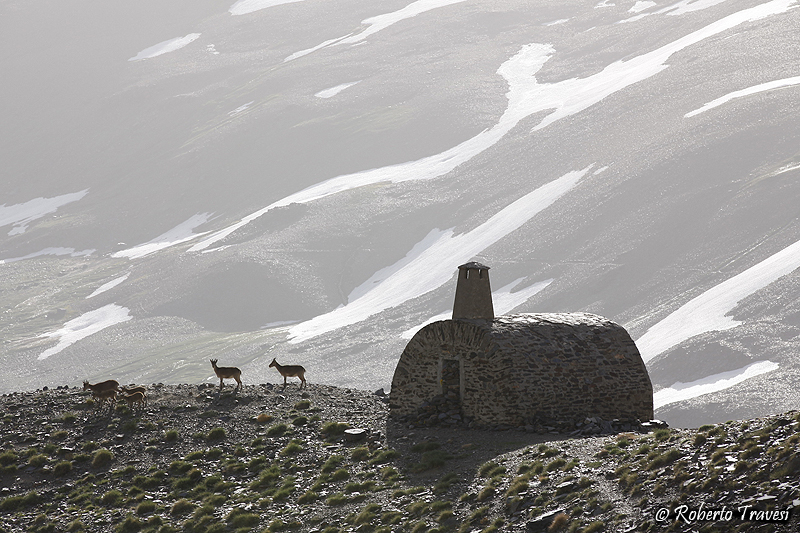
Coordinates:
380	276
333	91
378	23
708	312
434	266
526	96
180	233
680	8
503	300
688	6
769	86
640	6
107	286
57	251
20	215
242	108
165	47
85	325
724	380
243	7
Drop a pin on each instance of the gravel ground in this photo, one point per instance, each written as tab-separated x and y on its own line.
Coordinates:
270	459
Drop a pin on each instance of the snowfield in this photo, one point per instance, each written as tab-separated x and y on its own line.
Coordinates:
328	165
718	382
108	286
244	7
760	88
710	311
177	235
433	266
85	325
333	91
165	47
21	215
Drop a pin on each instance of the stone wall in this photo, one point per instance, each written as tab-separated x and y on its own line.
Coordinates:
525	369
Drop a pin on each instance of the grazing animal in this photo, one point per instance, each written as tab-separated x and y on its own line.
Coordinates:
136	398
290	371
224	372
140	388
97	388
109	396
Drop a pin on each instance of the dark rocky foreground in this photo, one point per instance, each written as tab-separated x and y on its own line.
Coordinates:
267	459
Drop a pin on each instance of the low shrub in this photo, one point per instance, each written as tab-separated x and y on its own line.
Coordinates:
293	448
216	434
62	468
37	461
111	498
182	506
277	430
102	458
146	507
8	457
334	429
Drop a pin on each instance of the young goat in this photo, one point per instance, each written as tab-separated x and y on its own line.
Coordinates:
224	372
140	388
290	371
136	398
106	396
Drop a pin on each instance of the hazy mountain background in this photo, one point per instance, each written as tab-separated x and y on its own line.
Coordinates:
185	179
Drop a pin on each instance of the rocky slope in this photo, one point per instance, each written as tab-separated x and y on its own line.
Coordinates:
268	187
268	459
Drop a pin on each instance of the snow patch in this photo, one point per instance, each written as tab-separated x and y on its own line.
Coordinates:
107	286
503	300
689	6
165	47
556	22
243	7
755	89
680	8
526	96
279	323
85	325
180	233
640	6
333	91
708	311
378	23
56	251
433	266
20	215
724	380
240	109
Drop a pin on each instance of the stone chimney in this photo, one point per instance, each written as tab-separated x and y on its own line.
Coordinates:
473	293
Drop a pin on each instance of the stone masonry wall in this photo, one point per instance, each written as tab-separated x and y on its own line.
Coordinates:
526	369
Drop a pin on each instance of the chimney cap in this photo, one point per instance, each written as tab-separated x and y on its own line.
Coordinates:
474	264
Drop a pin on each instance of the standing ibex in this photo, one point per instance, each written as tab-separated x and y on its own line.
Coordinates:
293	371
135	398
223	372
104	386
109	396
131	390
